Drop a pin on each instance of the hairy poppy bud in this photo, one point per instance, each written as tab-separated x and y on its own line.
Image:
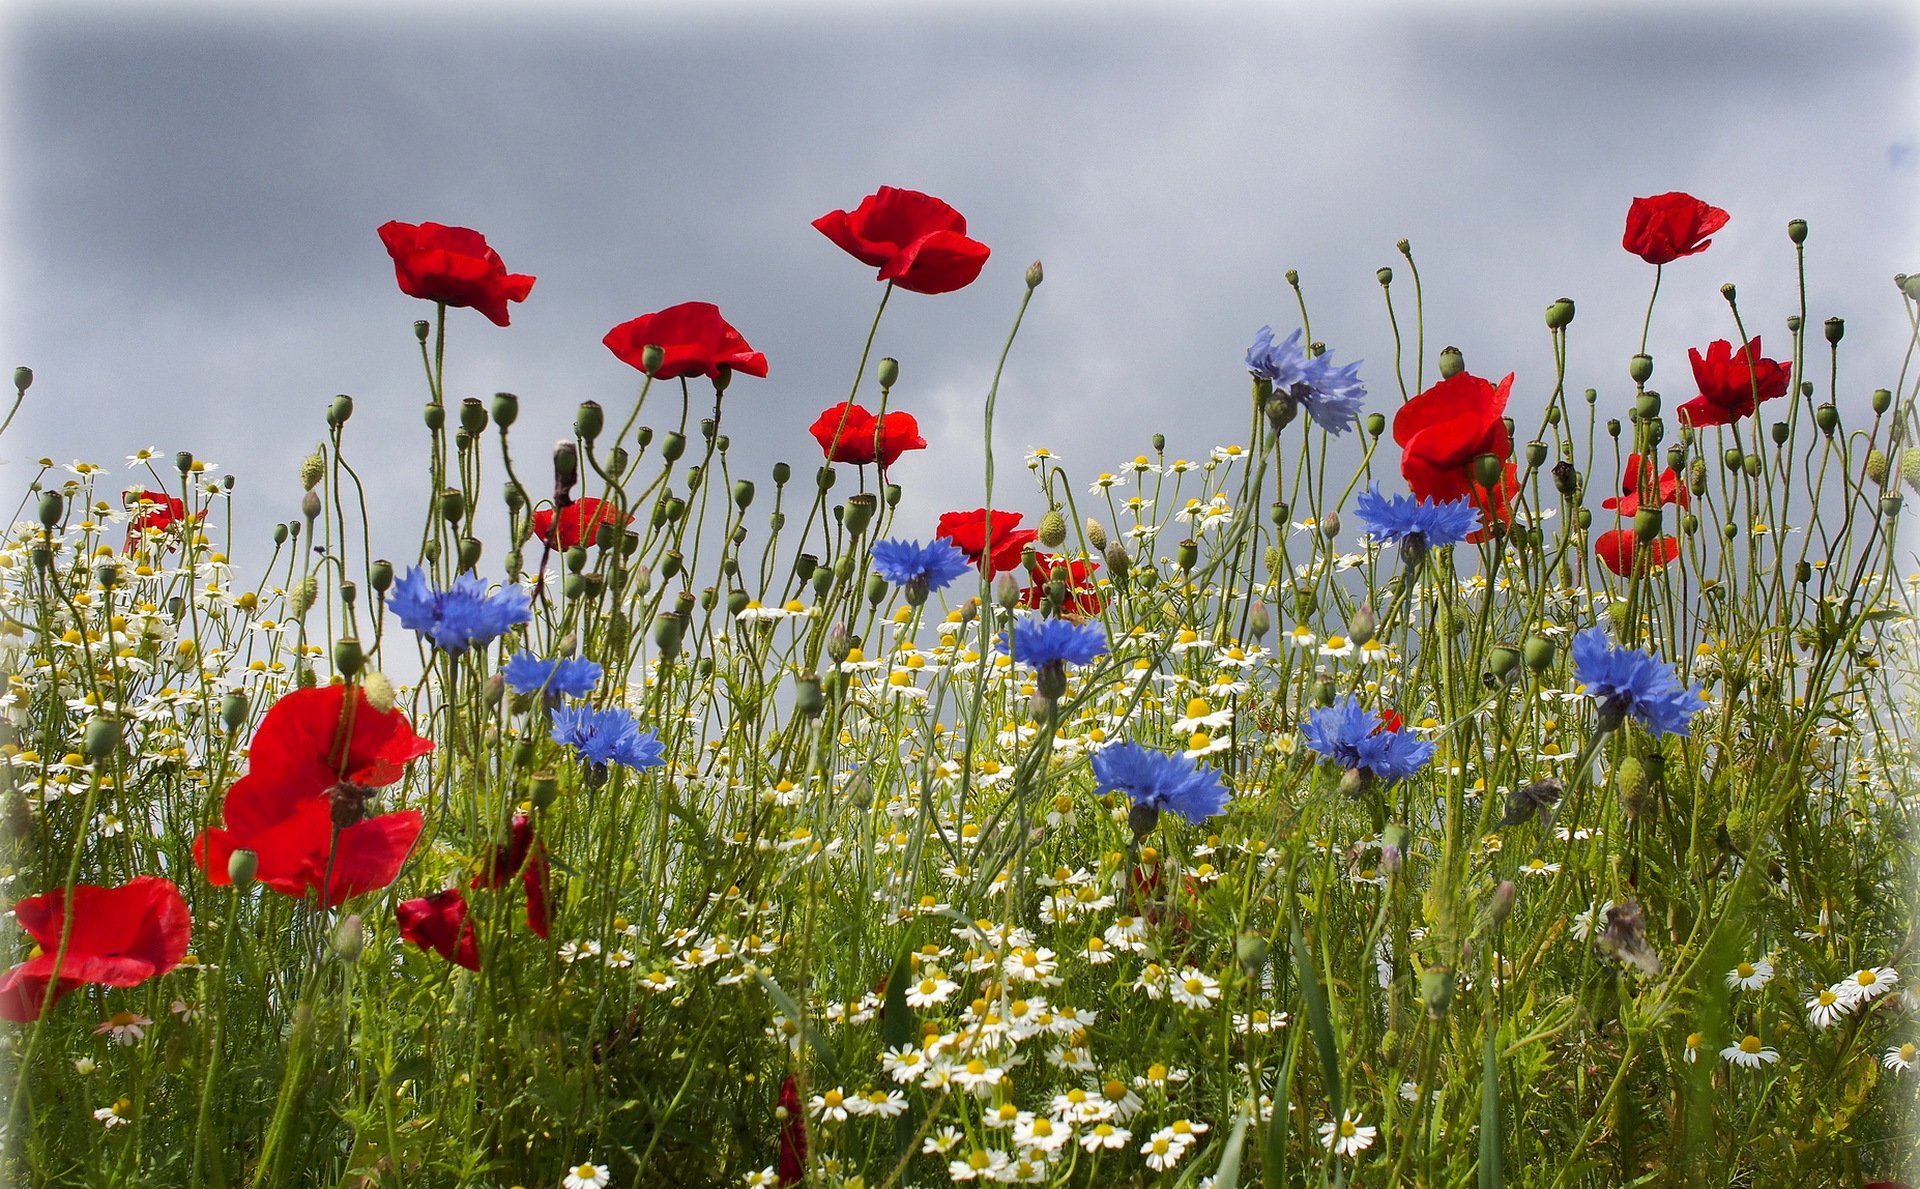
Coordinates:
1035	274
1259	619
380	692
1877	467
1503	898
1053	528
349	937
1910	467
1452	362
1560	314
1119	561
1436	990
1362	625
1797	230
1096	535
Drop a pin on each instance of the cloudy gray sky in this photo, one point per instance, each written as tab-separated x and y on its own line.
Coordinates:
191	197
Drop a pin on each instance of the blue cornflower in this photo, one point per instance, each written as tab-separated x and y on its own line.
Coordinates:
1157	780
1334	395
1356	739
1627	681
610	736
568	676
919	568
461	616
1039	642
1416	525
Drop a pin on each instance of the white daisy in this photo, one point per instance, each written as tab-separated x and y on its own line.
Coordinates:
1750	976
586	1176
1347	1137
1750	1053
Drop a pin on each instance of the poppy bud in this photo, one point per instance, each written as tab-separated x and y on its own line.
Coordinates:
1640	368
102	739
1452	362
1376	424
1035	275
892	494
1882	401
52	508
22	379
1503	898
241	866
380	692
1096	535
651	357
1836	328
1119	561
1910	467
1053	528
1436	990
822	582
348	657
1006	595
1560	314
310	507
349	938
859	513
1355	782
1259	619
301	598
1877	467
1553	414
1362	626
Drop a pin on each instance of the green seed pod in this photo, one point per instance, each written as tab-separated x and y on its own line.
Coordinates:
1376	424
888	372
339	410
858	514
1436	990
1646	524
1186	554
506	409
102	739
807	696
668	629
1797	230
1488	469
1730	531
566	465
1793	324
52	507
1560	314
673	508
1362	625
380	576
1538	653
1613	427
695	475
1584	518
1640	368
1836	329
1536	454
737	601
877	590
1890	505
348	658
824	477
822	582
1733	458
575	559
1646	406
1779	432
1882	401
233	711
1251	949
22	379
242	864
434	416
1323	693
804	565
742	493
1751	464
1802	573
1384	276
1503	660
473	416
1452	362
1689	524
469	557
672	445
671	563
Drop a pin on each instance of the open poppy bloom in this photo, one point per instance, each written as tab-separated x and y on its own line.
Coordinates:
1665	227
848	433
121	936
793	1134
1444	431
453	266
578	523
523	858
1668	487
916	241
1000	550
300	807
1083	597
1732	383
155	511
693	338
1622	552
440	923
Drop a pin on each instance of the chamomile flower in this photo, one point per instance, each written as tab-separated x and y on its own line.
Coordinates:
115	1115
1191	988
1901	1059
1869	983
587	1175
124	1028
1750	1053
1347	1136
1827	1006
1750	976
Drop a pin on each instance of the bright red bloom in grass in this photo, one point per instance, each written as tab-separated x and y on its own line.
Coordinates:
440	923
793	1134
693	338
155	511
916	241
1665	227
1669	489
848	433
1390	720
1730	380
1620	551
523	857
578	523
1444	431
453	265
121	936
1083	597
969	533
314	760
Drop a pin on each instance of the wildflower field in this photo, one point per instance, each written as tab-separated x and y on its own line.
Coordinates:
1400	795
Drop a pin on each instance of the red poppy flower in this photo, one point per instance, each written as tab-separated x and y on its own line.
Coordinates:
440	923
155	511
1083	597
793	1134
1728	385
1666	227
1444	430
968	532
916	241
521	857
455	266
693	338
1390	720
1671	491
848	433
578	523
1620	551
121	936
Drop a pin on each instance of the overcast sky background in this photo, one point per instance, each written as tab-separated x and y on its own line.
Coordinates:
191	197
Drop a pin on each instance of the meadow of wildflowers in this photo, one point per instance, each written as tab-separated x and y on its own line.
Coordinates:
1402	795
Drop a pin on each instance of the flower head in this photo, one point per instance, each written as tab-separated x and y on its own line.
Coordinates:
1732	382
586	1175
1667	488
610	736
440	923
1419	523
919	568
454	266
1665	227
1354	737
694	340
463	615
1347	1136
1627	681
1039	642
521	855
1157	780
578	523
1442	434
564	677
916	241
1334	395
119	937
848	433
992	540
1622	551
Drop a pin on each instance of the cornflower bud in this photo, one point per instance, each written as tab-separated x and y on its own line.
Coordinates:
1259	619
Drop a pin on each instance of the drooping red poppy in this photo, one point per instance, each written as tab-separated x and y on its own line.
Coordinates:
1621	552
916	241
1083	597
848	433
155	511
793	1134
1728	385
440	923
969	533
121	936
1444	431
1669	487
578	523
1665	227
520	856
693	338
453	265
